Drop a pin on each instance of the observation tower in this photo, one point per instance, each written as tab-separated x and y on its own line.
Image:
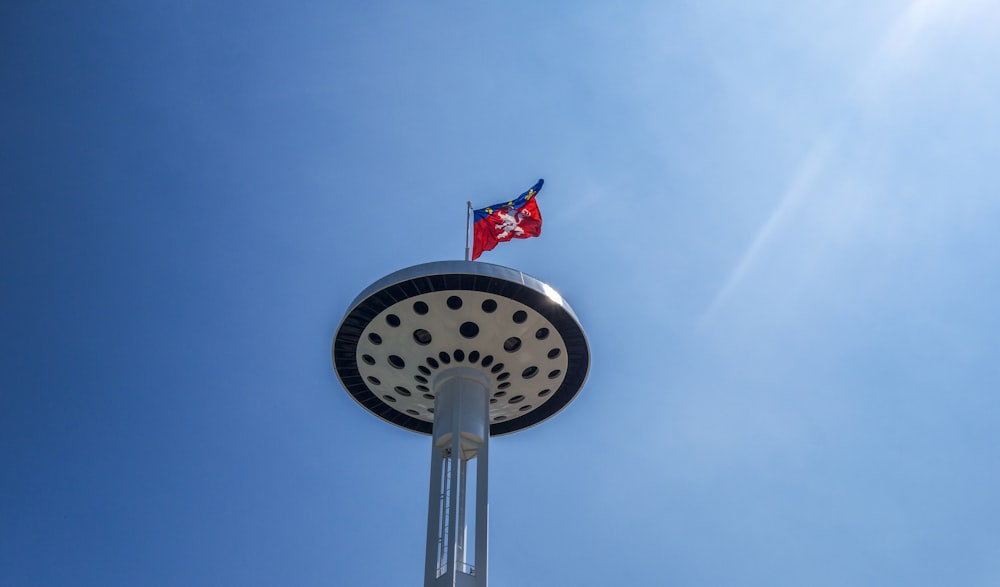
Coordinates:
461	351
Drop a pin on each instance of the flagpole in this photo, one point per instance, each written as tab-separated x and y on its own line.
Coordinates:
468	221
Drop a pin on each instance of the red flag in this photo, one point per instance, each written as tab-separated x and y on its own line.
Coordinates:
519	218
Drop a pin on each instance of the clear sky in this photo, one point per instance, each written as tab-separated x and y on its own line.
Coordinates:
778	221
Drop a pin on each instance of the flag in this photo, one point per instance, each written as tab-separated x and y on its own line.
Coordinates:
518	218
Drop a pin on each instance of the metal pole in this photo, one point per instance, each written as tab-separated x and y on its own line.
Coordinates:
468	222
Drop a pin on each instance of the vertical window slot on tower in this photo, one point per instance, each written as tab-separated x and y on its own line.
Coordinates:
443	520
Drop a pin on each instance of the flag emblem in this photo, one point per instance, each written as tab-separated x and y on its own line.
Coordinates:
518	218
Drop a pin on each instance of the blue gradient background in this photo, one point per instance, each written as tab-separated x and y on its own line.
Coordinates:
778	222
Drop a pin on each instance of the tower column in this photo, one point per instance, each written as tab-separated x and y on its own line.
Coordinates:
461	351
457	552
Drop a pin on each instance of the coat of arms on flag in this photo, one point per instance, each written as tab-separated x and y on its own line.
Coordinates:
518	218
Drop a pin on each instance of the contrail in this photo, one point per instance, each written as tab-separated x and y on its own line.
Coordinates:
900	40
802	181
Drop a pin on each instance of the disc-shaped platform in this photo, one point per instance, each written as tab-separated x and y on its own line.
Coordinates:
409	327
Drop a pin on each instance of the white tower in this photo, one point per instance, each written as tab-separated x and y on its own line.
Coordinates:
462	351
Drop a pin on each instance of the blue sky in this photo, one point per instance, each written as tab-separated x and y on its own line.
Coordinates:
777	221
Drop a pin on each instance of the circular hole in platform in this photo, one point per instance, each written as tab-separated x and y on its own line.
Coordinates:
444	357
421	336
512	344
374	380
368	359
469	329
420	378
392	320
497	368
397	361
389	398
524	408
499	418
423	388
473	356
520	316
554	353
430	410
420	308
504	385
503	376
428	396
544	392
423	370
403	391
529	372
454	302
500	394
413	412
542	333
432	362
376	339
516	399
493	400
459	355
489	306
554	374
487	360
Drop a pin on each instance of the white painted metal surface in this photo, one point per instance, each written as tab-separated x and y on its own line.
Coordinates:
457	512
525	360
